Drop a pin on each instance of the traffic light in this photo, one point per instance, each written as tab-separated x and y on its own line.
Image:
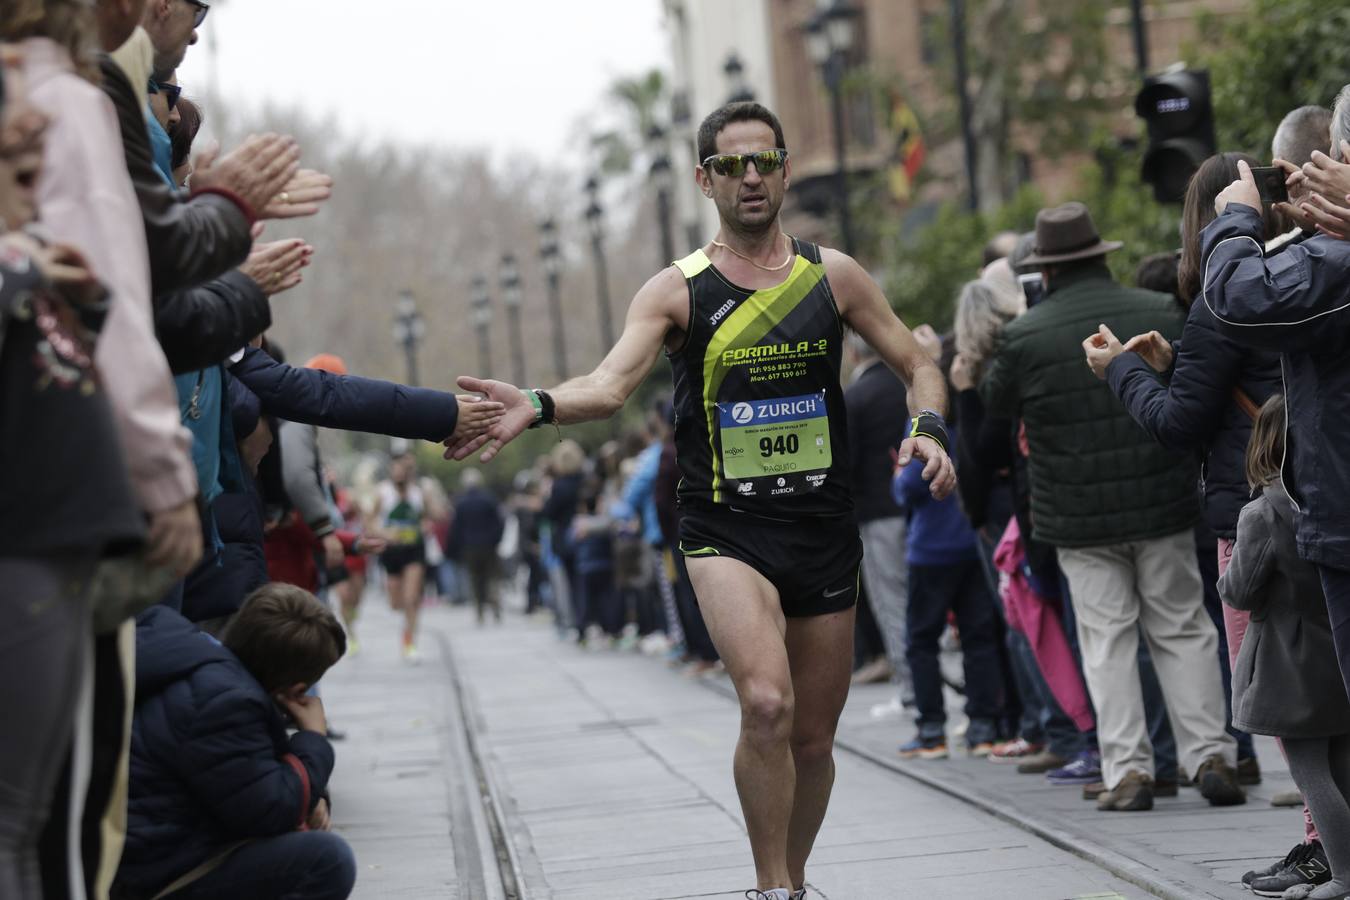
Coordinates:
1180	119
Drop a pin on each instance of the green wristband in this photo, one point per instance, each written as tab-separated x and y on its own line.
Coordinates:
538	407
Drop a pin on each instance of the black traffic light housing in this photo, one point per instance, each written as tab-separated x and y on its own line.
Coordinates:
1176	105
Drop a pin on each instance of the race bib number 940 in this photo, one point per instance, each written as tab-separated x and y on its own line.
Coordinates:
786	435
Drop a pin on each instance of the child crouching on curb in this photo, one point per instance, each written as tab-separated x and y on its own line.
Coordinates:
223	803
1287	681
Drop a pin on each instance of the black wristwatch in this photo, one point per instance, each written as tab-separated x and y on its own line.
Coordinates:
930	424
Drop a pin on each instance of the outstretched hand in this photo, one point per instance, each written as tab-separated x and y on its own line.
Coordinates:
513	413
476	416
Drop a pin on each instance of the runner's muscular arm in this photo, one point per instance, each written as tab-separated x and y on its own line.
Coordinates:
863	306
658	307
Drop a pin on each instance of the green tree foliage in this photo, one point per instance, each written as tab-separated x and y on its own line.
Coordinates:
927	270
1280	55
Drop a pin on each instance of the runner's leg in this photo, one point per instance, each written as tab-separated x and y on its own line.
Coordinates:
820	652
414	579
746	622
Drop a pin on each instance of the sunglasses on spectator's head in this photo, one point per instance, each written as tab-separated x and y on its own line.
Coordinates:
202	10
733	165
170	91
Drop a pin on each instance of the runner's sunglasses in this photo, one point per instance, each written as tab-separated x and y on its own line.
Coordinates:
202	10
733	165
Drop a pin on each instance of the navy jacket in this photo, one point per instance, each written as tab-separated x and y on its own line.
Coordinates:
346	402
478	520
210	760
878	413
1296	301
939	532
1195	408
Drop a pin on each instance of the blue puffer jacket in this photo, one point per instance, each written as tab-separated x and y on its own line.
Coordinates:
348	402
1296	301
1195	408
210	760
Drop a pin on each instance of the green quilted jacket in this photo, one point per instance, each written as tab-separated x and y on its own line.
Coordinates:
1096	476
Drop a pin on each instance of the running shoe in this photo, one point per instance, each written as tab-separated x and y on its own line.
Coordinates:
410	654
775	894
1085	768
924	748
1305	864
1014	751
799	894
980	749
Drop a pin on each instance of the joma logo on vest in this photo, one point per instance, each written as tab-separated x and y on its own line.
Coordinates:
722	312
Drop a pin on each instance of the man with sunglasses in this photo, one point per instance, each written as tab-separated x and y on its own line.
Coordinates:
753	325
172	26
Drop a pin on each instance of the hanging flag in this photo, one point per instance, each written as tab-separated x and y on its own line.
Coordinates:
908	156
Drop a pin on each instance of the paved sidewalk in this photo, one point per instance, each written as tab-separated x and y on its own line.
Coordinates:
1199	850
612	776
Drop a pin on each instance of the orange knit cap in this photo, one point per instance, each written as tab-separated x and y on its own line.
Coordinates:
328	362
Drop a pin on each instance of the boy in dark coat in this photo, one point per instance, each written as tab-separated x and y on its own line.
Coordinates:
222	802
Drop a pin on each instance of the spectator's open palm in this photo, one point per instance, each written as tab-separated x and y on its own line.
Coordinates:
516	415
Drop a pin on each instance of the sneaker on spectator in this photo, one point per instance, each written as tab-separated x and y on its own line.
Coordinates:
1305	864
1016	750
1040	763
1218	783
980	749
1286	798
1085	768
924	748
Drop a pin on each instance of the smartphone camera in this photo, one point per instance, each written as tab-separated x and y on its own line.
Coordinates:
1270	184
1033	288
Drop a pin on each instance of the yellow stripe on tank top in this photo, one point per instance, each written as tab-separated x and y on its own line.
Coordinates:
753	319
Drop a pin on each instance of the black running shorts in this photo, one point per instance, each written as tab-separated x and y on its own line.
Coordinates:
813	563
399	556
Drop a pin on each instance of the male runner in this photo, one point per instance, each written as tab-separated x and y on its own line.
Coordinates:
753	326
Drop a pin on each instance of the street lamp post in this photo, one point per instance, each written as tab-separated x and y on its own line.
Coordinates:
511	297
739	88
482	318
681	123
829	37
595	222
551	258
664	181
408	331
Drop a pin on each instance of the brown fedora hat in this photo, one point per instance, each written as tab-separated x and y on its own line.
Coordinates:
1065	233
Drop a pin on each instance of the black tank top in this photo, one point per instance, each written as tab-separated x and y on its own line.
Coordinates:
760	424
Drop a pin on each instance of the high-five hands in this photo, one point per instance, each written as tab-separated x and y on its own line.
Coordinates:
478	417
507	412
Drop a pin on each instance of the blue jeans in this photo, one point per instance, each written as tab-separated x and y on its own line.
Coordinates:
303	865
959	588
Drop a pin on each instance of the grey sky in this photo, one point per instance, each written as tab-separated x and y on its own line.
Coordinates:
507	76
